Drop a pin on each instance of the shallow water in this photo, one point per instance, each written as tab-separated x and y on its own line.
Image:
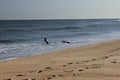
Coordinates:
20	38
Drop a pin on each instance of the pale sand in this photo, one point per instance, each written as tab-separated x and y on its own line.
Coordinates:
92	62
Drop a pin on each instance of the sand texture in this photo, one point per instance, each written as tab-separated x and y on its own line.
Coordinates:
99	61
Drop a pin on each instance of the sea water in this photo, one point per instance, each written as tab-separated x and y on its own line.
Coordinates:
20	38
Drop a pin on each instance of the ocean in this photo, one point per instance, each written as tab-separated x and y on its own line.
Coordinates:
19	38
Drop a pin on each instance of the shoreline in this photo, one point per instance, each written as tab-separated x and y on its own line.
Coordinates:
39	53
86	62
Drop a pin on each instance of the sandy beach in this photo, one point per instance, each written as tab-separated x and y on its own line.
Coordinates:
99	61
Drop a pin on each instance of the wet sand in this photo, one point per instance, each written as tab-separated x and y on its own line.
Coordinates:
99	61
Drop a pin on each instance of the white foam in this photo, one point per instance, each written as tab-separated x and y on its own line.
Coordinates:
8	59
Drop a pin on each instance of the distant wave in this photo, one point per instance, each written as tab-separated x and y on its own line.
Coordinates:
74	34
97	25
13	30
38	29
84	33
93	26
60	28
118	20
6	41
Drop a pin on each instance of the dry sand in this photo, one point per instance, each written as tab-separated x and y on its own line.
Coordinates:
99	61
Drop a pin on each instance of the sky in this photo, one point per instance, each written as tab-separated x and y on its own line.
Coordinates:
59	9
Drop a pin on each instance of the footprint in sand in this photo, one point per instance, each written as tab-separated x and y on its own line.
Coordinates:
70	63
93	66
76	74
64	65
49	78
54	76
69	71
48	68
80	70
31	71
114	62
60	75
111	55
105	57
19	75
40	71
93	59
33	79
25	79
30	79
86	61
77	63
7	79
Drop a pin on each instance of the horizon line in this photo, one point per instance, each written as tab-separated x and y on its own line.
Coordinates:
58	19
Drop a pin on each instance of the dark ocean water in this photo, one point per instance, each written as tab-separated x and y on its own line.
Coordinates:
20	38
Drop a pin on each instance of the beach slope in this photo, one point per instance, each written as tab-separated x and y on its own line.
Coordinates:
99	61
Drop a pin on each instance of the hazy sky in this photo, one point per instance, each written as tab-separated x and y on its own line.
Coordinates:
59	9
